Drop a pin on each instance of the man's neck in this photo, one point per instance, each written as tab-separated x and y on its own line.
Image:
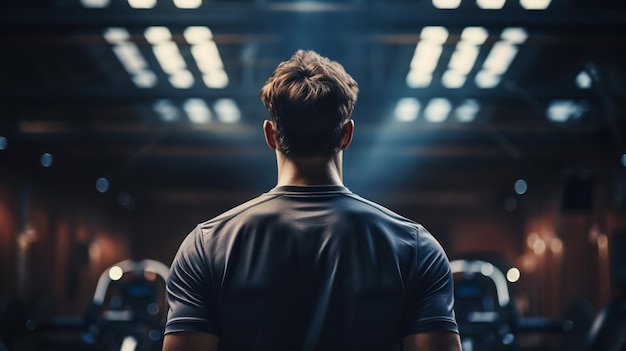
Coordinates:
309	171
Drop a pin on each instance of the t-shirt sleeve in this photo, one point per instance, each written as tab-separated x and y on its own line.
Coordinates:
189	294
431	303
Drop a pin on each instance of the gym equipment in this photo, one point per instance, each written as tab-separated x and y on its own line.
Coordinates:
487	317
127	312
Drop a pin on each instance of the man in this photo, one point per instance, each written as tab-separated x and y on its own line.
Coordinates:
310	265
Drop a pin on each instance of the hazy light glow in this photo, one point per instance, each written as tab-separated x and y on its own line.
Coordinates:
514	35
513	275
128	344
500	57
490	4
535	4
556	245
426	56
182	79
564	110
142	4
197	34
623	158
463	58
166	110
102	185
485	79
145	79
158	35
446	4
474	35
207	56
227	110
116	273
467	110
46	160
531	239
129	55
197	110
3	143
437	110
187	4
520	186
453	79
169	57
434	34
583	80
95	3
539	247
407	109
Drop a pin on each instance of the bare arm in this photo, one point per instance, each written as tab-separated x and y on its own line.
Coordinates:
190	341
433	341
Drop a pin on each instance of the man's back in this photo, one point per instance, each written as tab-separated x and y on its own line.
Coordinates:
310	268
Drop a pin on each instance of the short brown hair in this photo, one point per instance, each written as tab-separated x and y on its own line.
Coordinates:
309	97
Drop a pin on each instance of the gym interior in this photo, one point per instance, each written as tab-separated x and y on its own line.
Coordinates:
499	125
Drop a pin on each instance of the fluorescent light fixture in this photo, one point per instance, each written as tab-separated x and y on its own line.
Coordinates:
514	35
144	79
474	35
158	35
407	109
129	55
207	56
490	4
564	110
197	110
453	79
446	4
182	79
466	112
437	110
415	79
98	4
217	79
187	4
486	79
197	34
142	4
463	58
166	110
535	4
434	34
116	35
169	57
426	55
227	110
583	80
500	57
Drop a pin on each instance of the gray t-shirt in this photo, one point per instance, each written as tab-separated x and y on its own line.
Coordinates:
310	268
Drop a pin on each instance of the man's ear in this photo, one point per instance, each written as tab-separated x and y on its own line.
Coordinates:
270	134
347	133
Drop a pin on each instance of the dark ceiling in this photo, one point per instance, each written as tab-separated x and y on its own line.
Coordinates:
63	91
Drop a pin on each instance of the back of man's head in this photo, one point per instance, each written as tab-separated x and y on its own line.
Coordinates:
309	97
